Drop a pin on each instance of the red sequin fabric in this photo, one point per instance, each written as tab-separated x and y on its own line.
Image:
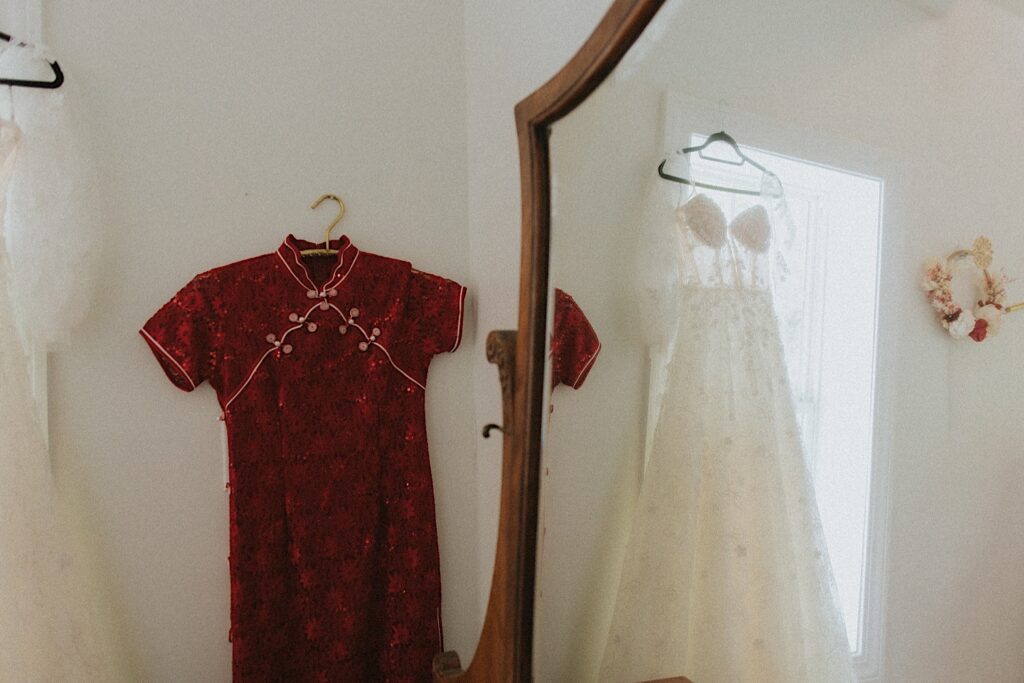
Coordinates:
574	344
320	365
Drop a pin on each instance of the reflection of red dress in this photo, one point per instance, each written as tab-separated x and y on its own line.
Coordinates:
574	344
319	366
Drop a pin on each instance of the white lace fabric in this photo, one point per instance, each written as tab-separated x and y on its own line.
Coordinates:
53	221
726	574
53	623
685	238
719	254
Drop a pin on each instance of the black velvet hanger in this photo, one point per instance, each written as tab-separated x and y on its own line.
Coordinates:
58	75
720	136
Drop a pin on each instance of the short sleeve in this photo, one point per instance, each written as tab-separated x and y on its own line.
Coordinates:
574	343
180	336
438	307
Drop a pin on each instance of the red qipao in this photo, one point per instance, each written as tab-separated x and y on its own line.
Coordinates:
320	365
574	344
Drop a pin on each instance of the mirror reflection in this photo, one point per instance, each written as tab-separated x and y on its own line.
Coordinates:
763	458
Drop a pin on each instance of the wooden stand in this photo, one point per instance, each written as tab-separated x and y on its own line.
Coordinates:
505	652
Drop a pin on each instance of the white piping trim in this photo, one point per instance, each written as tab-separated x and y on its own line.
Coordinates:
249	378
390	360
306	320
351	265
334	271
306	314
330	284
341	262
458	325
302	267
171	358
289	268
256	367
583	371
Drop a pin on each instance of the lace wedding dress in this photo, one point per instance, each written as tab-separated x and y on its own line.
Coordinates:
52	627
726	577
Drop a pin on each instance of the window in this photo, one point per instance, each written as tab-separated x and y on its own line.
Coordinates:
832	257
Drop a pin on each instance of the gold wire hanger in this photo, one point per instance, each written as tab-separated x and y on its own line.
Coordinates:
326	249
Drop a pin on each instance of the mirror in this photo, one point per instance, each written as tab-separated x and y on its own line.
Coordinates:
763	458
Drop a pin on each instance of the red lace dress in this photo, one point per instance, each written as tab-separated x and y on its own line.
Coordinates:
574	344
320	366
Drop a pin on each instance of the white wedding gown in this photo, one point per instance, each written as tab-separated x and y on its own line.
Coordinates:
52	624
726	577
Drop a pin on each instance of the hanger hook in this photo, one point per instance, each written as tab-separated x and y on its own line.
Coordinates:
722	104
337	219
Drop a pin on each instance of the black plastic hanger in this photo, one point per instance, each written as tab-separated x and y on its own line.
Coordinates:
720	136
58	75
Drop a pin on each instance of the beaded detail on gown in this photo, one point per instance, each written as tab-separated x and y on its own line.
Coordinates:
726	575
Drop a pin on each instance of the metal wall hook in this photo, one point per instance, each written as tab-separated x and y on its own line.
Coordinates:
488	428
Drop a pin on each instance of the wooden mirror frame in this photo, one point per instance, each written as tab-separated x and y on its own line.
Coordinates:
505	650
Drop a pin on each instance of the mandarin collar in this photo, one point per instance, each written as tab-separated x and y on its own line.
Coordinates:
290	255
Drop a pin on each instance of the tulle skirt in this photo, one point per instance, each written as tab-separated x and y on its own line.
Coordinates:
726	575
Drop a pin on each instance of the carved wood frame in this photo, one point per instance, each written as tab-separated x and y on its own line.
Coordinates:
505	651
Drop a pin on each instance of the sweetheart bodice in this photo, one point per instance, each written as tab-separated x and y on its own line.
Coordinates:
717	252
751	227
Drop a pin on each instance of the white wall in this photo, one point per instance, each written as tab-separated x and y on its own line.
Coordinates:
216	124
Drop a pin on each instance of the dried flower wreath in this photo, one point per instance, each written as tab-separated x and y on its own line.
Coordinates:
984	318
